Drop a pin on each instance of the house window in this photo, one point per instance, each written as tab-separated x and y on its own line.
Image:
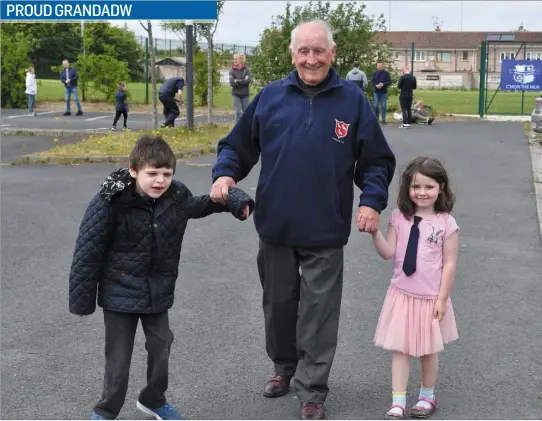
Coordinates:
396	55
444	56
539	56
507	56
531	55
419	56
465	56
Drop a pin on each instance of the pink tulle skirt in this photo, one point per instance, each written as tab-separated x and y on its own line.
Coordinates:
407	325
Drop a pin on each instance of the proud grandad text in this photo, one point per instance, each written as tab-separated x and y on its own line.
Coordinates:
67	10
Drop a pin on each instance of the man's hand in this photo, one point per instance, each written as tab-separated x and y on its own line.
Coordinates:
367	219
219	190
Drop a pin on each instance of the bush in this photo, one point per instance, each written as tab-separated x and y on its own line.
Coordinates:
14	64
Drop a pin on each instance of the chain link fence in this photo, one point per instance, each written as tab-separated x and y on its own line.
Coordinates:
172	47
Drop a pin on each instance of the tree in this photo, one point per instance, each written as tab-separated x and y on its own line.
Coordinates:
15	48
353	31
104	71
148	29
207	31
202	77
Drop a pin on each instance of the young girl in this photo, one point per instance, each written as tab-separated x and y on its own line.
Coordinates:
417	317
31	89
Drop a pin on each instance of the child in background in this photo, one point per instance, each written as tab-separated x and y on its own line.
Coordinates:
31	89
121	106
417	317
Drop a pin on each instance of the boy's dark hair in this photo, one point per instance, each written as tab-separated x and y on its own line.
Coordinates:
432	168
122	85
152	151
356	64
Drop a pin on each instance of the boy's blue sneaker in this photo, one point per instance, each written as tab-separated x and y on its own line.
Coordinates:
96	416
165	412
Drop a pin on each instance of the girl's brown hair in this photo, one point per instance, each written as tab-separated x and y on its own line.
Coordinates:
432	168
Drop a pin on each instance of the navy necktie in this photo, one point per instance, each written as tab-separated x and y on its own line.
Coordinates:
409	264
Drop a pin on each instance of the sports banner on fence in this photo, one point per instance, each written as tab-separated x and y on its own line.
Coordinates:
521	75
98	10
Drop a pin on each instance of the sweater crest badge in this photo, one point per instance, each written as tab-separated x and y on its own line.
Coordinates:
341	129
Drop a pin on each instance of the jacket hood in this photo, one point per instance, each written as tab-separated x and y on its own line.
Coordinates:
115	183
355	71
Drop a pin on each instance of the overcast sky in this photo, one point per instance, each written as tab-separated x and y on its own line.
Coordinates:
242	21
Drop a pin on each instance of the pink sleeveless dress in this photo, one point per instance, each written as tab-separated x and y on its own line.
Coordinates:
406	323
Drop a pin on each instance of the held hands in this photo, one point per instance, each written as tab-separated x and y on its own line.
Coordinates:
367	219
440	309
219	193
219	189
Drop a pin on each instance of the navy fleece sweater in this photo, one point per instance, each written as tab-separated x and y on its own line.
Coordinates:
311	149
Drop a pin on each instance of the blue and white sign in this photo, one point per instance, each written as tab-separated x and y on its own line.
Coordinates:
521	75
98	10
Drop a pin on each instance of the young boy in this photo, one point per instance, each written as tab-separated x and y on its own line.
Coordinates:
127	253
121	106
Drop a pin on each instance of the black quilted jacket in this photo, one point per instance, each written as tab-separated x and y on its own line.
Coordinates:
128	248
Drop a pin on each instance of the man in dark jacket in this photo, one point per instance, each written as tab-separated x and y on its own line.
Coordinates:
127	253
406	84
315	135
171	87
381	80
240	85
68	76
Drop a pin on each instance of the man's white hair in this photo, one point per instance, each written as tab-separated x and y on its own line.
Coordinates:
324	25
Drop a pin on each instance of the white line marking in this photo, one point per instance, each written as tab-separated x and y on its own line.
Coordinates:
27	115
5	125
97	118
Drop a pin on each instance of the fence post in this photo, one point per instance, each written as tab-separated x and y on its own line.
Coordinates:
481	92
412	58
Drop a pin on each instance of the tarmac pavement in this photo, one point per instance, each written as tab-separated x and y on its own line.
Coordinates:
52	362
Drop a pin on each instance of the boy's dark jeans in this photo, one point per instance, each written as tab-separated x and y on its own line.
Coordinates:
120	329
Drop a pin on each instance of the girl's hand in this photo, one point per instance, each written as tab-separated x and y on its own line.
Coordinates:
440	309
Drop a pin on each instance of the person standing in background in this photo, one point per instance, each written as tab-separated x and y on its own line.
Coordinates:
381	80
31	89
358	76
407	84
68	77
240	85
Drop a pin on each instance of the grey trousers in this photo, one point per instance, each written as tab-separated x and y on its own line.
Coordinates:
240	104
301	313
120	330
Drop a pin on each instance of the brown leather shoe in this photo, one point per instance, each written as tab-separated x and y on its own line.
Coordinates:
277	386
312	411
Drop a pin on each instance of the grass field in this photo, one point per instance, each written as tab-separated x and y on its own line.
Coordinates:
444	101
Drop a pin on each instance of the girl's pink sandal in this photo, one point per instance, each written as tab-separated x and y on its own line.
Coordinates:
393	416
421	412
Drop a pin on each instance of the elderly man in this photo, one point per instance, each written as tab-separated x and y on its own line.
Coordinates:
316	134
68	76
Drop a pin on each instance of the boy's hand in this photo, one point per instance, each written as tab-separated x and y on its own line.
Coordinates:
440	309
246	212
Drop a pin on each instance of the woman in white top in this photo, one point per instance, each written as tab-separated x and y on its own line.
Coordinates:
31	89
